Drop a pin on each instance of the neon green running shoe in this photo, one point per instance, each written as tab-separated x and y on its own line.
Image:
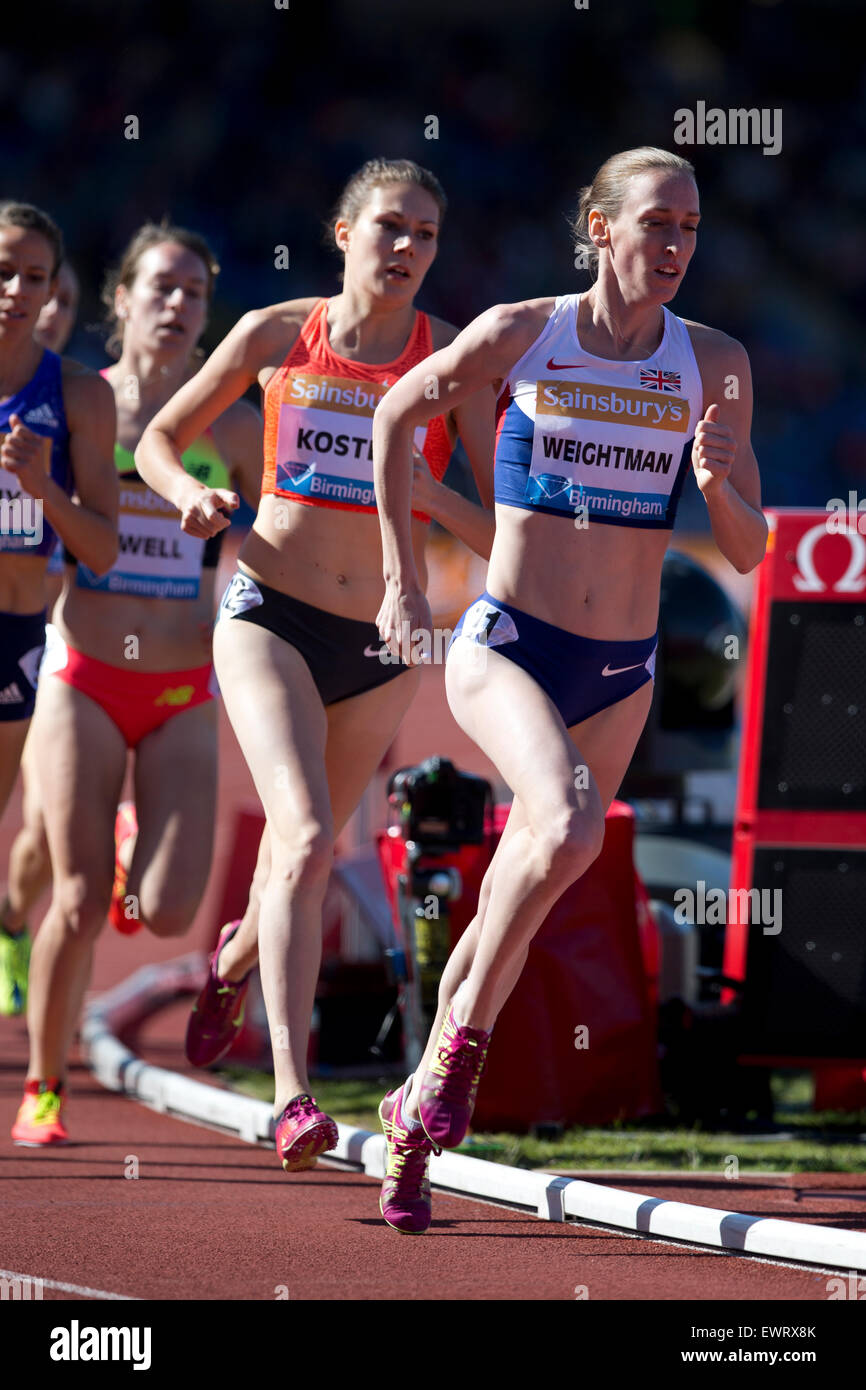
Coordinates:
14	965
39	1119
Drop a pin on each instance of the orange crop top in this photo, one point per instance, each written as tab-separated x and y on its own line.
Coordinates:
319	420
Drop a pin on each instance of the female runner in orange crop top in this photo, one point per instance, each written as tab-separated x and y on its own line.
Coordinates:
311	691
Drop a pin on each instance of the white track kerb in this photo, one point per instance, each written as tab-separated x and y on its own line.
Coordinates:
552	1198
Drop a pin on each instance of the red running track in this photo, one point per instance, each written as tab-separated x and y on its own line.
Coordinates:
209	1217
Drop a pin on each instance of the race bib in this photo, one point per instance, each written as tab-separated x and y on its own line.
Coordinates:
242	593
585	449
56	655
156	559
488	626
325	438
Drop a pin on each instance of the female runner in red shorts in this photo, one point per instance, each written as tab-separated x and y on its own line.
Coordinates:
311	699
606	402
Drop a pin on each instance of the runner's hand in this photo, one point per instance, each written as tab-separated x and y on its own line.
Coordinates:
713	451
424	485
23	453
401	621
206	511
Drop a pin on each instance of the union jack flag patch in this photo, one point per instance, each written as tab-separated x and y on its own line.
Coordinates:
660	381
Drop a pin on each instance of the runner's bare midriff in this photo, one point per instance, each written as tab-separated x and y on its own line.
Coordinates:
22	583
597	581
323	556
173	634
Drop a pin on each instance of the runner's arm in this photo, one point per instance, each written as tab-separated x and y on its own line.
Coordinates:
239	435
479	356
470	522
724	461
473	524
225	376
476	425
88	526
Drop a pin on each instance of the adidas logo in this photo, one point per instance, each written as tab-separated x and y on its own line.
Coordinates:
41	415
11	695
29	663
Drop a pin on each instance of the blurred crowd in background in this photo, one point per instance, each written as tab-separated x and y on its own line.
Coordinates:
250	118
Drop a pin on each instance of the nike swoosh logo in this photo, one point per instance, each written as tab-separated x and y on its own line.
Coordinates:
375	651
565	366
619	669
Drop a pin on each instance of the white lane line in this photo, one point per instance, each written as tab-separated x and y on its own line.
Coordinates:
30	1279
550	1196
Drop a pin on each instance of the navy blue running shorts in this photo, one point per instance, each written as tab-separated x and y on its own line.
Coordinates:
22	642
581	675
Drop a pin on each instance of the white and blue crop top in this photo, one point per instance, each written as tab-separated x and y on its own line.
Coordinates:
614	438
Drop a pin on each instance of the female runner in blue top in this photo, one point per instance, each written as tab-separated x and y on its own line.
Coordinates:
29	872
56	433
606	402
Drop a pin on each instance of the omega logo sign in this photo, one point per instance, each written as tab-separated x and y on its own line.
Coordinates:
807	580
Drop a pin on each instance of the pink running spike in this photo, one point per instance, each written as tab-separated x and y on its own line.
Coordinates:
449	1086
218	1013
303	1131
405	1197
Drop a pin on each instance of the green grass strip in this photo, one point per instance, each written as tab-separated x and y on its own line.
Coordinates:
809	1142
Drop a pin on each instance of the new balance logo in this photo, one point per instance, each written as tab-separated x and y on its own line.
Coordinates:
11	695
41	415
176	695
